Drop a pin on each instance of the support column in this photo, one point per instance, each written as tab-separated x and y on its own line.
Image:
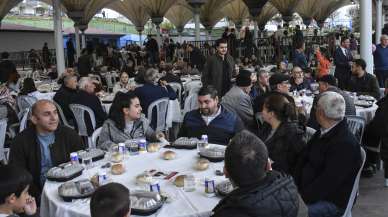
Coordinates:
366	34
77	41
83	37
60	54
197	27
379	19
255	31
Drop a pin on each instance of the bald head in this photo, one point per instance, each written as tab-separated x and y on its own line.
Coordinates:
44	116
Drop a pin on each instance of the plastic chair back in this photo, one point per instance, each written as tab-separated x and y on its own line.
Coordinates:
79	115
177	88
309	133
110	80
192	87
25	115
62	116
356	125
161	106
348	211
25	102
3	130
191	103
95	136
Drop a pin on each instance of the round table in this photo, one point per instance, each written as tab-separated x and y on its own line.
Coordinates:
194	203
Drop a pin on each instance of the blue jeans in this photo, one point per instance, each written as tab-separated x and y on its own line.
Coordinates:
324	209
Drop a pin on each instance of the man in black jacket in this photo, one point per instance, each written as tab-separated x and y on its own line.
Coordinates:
7	67
44	145
329	166
362	82
66	94
261	192
197	59
342	61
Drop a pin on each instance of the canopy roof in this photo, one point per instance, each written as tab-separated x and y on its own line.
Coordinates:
133	11
236	11
6	6
179	15
265	15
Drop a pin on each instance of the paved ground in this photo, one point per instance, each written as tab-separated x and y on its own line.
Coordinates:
373	199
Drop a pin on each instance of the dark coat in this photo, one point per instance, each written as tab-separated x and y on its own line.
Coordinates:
85	65
285	146
64	97
149	93
275	196
197	59
25	152
213	72
94	103
366	85
220	130
328	167
342	67
7	67
299	60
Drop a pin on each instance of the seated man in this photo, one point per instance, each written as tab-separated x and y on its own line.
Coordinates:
14	197
211	119
152	91
261	191
298	82
111	200
66	94
362	82
43	145
237	100
329	83
262	84
87	97
329	166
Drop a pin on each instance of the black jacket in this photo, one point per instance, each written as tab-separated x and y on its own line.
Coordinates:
7	67
366	85
197	59
285	146
342	67
275	196
85	64
94	103
328	167
25	152
64	97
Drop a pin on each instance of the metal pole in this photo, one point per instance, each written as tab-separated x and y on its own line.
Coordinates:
379	19
255	32
60	54
77	41
83	36
366	34
197	26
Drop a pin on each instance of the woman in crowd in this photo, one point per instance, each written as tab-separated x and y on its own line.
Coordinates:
323	62
287	137
125	122
29	89
123	85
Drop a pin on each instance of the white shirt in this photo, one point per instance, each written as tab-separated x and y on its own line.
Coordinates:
210	118
344	51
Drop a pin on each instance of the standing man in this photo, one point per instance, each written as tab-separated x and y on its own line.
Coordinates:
342	61
70	53
219	68
381	60
7	67
300	59
152	49
197	59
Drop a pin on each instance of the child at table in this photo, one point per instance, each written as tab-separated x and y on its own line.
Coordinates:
110	200
14	197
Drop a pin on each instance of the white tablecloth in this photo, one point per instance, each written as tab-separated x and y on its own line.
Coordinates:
367	113
184	203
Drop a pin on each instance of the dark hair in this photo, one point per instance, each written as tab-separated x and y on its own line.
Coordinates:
360	62
121	100
246	158
13	180
220	41
343	39
208	90
121	73
4	55
28	86
281	106
110	200
299	45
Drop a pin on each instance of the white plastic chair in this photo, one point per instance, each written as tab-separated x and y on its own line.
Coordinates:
3	151
62	116
25	102
309	133
161	106
177	88
348	211
79	115
95	136
356	125
192	87
95	77
191	103
110	79
25	115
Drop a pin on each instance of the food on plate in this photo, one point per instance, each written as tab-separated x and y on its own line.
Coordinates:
117	169
169	155
153	147
202	164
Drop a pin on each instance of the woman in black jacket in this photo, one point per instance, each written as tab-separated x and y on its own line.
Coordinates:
287	138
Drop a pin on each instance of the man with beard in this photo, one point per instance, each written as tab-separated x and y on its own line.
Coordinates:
211	119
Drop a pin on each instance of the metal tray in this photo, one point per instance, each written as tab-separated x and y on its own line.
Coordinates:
213	154
224	188
145	203
76	190
184	143
64	172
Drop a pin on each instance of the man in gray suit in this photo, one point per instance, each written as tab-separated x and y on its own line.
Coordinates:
237	100
219	69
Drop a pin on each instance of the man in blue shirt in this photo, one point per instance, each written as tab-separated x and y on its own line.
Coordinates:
300	59
381	60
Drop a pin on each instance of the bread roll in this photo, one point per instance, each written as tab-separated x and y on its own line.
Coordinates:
169	155
180	180
202	164
153	147
117	169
